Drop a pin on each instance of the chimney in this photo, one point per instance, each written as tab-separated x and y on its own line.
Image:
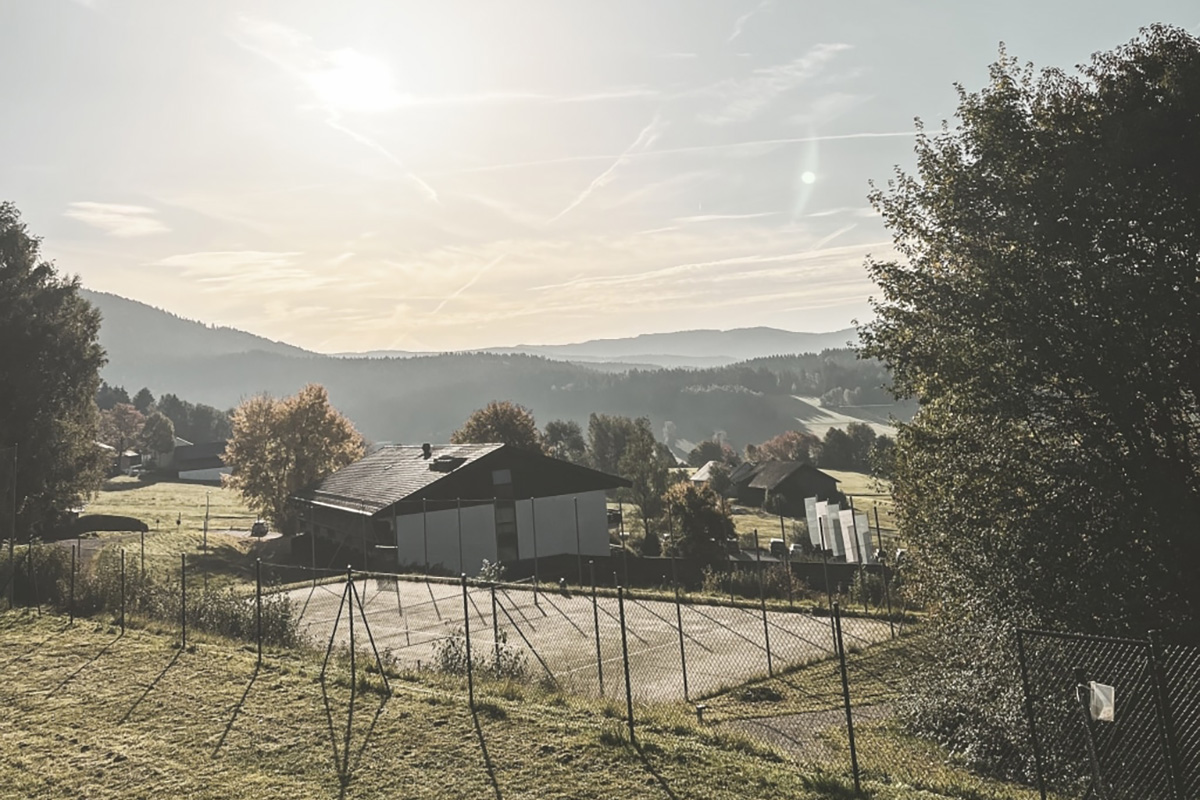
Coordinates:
426	450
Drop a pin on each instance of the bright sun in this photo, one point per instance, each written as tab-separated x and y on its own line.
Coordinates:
353	82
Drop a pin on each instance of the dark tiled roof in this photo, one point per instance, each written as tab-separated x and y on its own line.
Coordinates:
743	472
770	474
390	474
206	455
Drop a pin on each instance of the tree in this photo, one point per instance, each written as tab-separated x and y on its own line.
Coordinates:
108	396
862	439
281	446
645	466
837	450
121	426
712	451
564	439
501	421
798	446
701	525
143	401
50	359
1045	311
158	434
608	437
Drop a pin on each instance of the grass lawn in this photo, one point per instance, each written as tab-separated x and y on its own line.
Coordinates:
89	713
175	514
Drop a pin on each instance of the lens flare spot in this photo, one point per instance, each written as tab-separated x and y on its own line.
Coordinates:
808	177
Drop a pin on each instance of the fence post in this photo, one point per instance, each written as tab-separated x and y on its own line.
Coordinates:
258	606
762	599
467	636
596	623
183	601
495	628
1033	736
122	590
841	649
625	659
887	589
1165	717
682	652
142	534
536	574
37	601
71	604
349	598
578	544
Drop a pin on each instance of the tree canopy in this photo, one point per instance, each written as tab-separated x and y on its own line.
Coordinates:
49	375
700	524
1045	310
501	421
281	446
564	439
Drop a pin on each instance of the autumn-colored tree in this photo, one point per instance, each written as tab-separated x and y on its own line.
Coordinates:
798	446
280	446
501	421
701	525
121	426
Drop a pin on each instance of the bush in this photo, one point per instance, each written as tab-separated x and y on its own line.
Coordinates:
744	582
504	661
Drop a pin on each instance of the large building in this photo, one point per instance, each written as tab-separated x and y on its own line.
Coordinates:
450	507
755	483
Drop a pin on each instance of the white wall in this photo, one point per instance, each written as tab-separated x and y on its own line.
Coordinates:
555	517
478	538
213	474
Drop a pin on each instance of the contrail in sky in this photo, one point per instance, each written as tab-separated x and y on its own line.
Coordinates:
426	189
471	282
643	140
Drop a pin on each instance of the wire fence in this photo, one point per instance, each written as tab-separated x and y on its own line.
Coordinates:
820	688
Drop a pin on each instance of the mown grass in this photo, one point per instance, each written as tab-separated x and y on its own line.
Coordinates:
90	713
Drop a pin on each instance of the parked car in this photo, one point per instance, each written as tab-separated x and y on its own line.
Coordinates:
796	549
778	548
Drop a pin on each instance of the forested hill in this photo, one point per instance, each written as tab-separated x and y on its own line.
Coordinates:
425	398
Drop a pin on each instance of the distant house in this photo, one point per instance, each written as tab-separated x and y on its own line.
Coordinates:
704	474
452	506
202	462
757	483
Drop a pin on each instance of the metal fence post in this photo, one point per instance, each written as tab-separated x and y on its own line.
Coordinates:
1165	717
536	574
625	659
467	636
122	590
1033	735
596	624
495	629
762	599
578	544
350	617
142	534
887	589
258	605
183	601
682	652
71	602
841	649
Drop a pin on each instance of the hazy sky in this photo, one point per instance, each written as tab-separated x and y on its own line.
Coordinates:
446	175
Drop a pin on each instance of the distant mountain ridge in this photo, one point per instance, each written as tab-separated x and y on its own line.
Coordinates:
695	348
422	398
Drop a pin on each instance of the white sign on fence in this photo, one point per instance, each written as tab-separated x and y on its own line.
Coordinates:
810	513
862	527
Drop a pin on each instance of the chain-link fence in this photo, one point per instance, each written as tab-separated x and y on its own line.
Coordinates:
1113	718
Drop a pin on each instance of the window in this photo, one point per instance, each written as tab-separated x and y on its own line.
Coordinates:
502	477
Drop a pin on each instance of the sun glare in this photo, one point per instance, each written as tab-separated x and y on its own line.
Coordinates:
354	82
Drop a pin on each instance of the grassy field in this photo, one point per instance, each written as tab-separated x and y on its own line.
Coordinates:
90	713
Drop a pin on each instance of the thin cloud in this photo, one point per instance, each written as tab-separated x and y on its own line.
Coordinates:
486	267
425	189
122	221
701	218
645	138
744	99
826	240
739	24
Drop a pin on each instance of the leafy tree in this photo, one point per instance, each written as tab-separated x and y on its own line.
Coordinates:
49	373
1045	310
108	396
564	439
798	446
143	401
645	466
158	434
712	451
195	422
121	426
883	458
608	437
701	525
281	446
837	450
501	421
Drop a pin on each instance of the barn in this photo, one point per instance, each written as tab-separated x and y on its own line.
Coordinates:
756	484
450	507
